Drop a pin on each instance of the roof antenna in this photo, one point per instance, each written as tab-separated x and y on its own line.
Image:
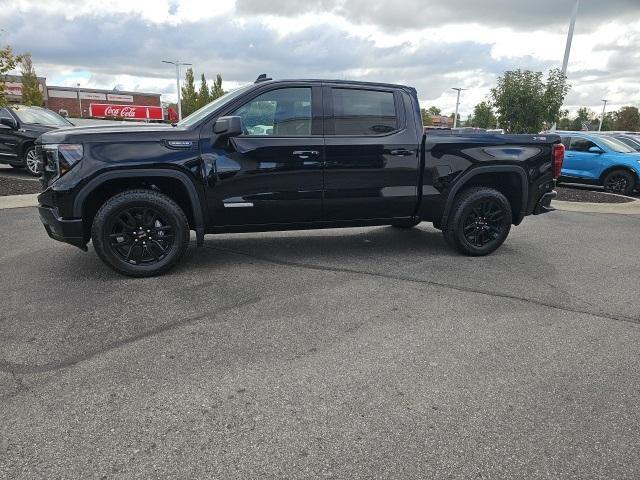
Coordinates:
262	78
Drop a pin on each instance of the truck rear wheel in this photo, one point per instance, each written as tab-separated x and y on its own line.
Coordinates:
140	233
479	222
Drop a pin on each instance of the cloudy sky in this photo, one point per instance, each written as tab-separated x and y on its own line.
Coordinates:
432	45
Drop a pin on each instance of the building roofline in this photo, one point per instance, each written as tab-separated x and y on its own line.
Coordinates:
103	90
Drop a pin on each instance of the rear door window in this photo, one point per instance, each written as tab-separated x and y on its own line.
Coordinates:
363	112
581	144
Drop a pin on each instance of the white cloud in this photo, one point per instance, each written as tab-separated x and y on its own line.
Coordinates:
440	45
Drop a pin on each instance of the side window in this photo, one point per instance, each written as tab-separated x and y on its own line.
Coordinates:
566	141
4	113
581	144
363	112
282	112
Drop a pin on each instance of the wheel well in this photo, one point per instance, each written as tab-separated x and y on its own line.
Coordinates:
24	148
171	187
507	183
619	167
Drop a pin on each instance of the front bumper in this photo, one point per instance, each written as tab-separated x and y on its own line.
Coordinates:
544	204
64	230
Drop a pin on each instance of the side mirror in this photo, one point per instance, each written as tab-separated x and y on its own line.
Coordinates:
595	150
9	122
228	126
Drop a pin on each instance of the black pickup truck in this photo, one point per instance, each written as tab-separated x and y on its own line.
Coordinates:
285	155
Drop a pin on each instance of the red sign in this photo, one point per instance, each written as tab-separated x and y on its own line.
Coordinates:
138	112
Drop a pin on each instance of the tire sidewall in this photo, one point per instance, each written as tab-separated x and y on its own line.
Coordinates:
103	223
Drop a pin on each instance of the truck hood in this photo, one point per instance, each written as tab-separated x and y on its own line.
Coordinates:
105	133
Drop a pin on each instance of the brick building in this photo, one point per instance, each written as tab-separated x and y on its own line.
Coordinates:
71	99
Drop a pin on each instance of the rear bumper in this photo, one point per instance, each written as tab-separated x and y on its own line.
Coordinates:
544	204
64	230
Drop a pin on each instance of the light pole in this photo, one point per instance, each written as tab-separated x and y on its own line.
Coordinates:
602	117
455	117
567	47
79	101
178	64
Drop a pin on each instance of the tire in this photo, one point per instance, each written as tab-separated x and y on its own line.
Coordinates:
622	182
31	163
406	225
479	222
136	217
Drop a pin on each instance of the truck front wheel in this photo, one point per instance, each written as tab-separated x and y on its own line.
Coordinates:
140	233
479	222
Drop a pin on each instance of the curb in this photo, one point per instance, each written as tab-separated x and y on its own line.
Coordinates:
18	201
629	208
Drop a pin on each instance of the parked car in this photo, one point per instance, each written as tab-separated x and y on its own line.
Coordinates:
335	154
598	159
19	128
629	140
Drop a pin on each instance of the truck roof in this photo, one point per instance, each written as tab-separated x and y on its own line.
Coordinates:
343	82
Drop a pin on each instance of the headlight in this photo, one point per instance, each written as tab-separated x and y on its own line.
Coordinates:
61	157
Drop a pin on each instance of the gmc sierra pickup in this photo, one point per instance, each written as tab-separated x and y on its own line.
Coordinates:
284	155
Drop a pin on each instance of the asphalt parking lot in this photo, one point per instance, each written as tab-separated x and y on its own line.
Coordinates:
356	353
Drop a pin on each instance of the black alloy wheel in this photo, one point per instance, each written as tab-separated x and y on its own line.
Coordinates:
479	222
621	182
484	223
140	233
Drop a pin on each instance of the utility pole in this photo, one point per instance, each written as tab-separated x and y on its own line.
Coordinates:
178	64
455	117
567	48
602	117
79	101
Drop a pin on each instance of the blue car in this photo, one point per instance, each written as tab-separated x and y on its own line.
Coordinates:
600	160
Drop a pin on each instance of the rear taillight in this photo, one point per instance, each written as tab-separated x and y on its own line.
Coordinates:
558	158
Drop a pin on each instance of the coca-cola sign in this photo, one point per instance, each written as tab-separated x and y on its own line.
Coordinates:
137	112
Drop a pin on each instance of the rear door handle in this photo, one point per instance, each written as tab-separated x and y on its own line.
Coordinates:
304	154
401	152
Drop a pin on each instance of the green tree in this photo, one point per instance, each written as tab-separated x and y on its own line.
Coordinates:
433	111
584	117
426	116
31	94
216	88
628	118
609	122
8	61
483	116
204	96
524	102
564	123
189	100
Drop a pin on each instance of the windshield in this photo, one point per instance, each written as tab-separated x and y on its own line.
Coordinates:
41	116
616	145
204	112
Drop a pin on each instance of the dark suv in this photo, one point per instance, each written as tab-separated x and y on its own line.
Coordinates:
285	155
19	127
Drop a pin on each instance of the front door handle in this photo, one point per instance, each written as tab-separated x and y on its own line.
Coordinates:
401	152
304	154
